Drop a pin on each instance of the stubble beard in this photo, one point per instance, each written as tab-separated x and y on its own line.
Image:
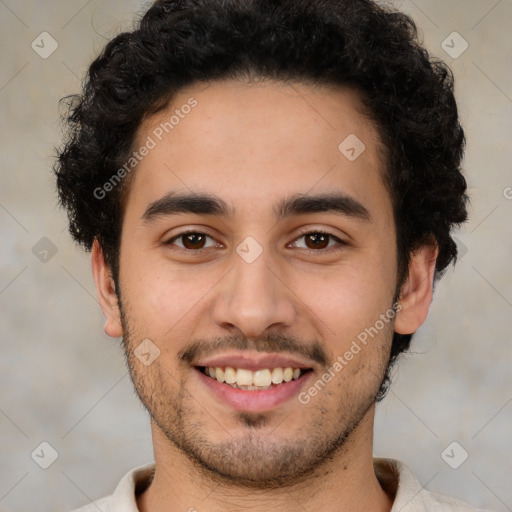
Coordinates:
257	459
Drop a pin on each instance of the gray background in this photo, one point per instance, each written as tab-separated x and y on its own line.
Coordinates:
63	380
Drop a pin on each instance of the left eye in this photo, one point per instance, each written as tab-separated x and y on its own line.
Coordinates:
195	240
315	240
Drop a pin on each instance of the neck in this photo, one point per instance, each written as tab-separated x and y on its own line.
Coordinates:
345	483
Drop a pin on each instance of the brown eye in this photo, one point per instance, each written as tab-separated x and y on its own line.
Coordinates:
319	241
190	240
193	241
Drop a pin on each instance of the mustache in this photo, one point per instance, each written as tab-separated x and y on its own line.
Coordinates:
273	343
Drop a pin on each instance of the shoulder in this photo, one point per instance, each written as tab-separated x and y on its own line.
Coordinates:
100	504
397	479
445	503
123	498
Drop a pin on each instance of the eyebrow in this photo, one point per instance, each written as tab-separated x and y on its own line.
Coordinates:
209	204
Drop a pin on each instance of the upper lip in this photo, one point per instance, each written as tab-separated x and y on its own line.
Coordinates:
253	362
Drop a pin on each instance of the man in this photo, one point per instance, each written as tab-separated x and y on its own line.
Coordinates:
268	189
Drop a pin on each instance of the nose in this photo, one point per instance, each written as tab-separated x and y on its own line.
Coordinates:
253	298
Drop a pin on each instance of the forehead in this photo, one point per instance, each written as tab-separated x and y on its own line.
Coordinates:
251	143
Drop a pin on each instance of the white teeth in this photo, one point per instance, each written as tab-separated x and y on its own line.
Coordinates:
244	377
219	374
230	375
277	375
262	378
247	379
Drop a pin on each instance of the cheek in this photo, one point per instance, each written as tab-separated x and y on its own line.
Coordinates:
350	296
161	299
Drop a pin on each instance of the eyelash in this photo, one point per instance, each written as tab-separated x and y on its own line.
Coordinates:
311	232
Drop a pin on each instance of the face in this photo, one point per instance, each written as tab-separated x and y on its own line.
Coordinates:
290	256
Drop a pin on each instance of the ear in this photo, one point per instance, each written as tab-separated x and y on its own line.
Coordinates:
416	292
106	290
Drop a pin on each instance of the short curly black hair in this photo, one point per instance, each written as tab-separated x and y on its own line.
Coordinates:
355	43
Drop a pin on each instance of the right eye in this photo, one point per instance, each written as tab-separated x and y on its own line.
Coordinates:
191	240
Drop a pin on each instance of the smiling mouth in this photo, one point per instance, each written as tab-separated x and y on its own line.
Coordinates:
259	380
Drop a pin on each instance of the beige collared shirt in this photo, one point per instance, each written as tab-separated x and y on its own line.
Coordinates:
395	477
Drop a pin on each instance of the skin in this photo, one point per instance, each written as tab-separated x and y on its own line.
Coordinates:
253	145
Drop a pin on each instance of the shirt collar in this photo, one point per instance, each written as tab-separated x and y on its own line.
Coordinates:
394	476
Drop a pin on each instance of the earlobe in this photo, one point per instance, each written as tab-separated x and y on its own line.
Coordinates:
106	290
416	293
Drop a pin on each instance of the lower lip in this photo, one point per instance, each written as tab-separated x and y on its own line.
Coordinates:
255	401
